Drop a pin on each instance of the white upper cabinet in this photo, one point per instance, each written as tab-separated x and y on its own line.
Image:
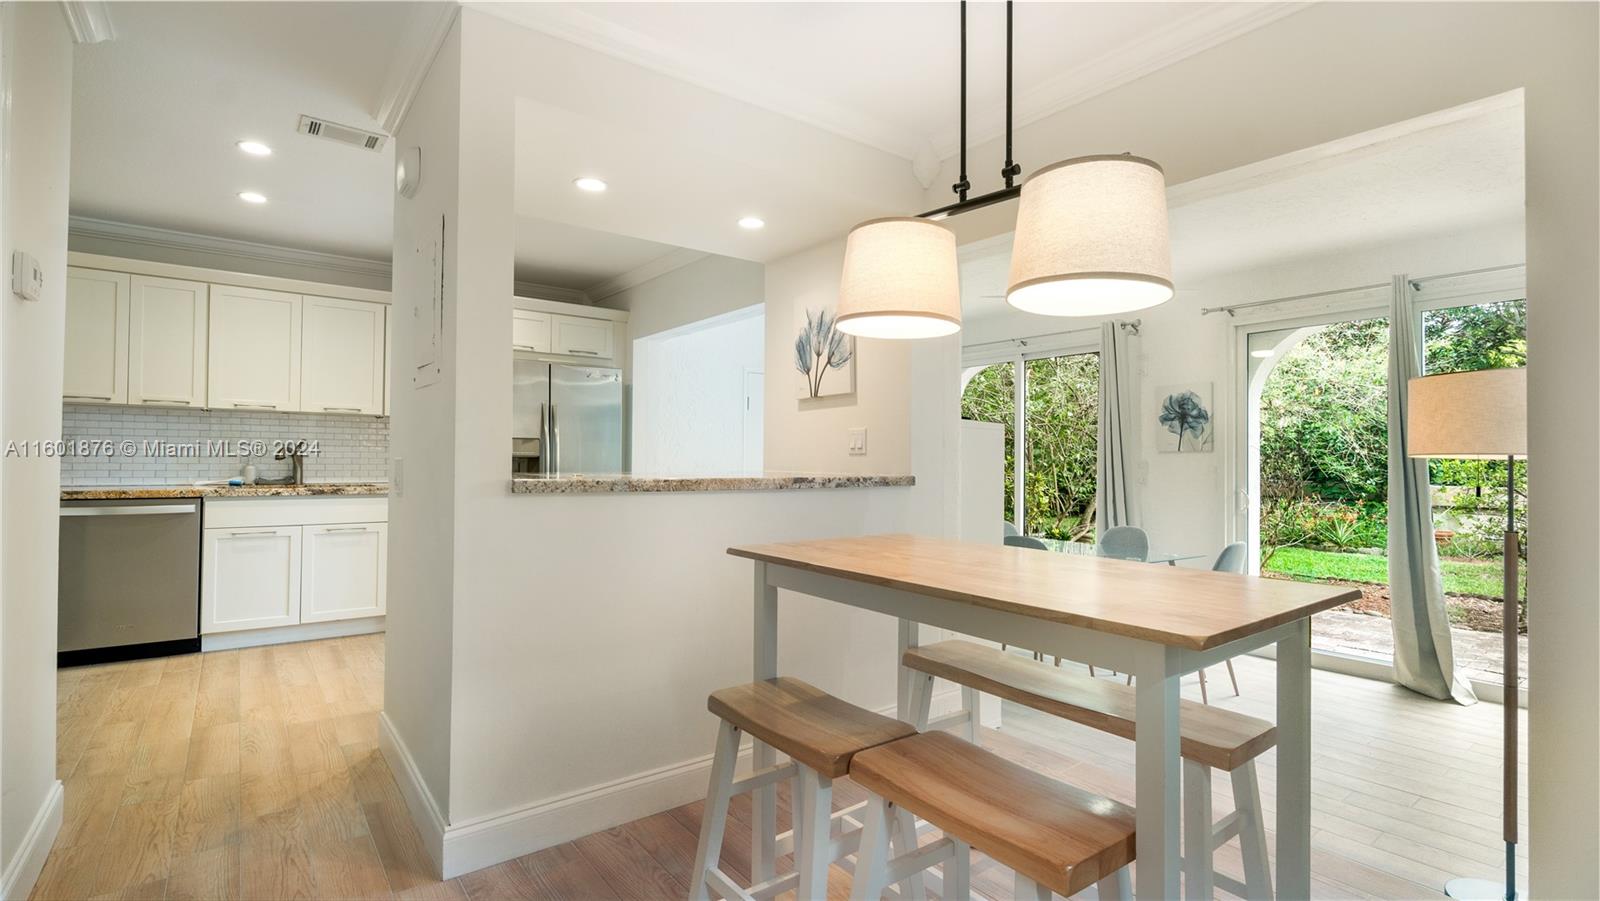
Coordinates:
96	369
341	356
581	337
530	331
254	349
167	342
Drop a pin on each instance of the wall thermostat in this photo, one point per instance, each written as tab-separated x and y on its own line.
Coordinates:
408	171
27	276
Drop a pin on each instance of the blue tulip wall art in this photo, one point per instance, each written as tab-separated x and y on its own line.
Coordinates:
1183	415
823	356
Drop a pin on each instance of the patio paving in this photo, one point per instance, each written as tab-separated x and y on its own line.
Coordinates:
1477	654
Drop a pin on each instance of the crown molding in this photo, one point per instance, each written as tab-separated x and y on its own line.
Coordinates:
536	291
151	236
1184	36
419	43
637	276
90	21
567	22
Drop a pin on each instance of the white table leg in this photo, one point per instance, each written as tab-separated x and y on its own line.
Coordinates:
764	825
907	639
1156	774
1294	764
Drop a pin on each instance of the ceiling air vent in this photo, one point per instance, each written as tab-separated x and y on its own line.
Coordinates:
344	134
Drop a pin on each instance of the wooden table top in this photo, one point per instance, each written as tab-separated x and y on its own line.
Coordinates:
1184	608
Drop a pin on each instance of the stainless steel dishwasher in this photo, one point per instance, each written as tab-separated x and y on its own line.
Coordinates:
129	579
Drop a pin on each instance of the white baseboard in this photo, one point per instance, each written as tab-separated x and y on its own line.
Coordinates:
424	810
23	870
483	842
253	638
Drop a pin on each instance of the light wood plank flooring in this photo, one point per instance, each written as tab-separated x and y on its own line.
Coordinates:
255	774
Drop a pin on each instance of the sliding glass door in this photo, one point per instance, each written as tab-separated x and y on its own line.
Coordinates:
1049	405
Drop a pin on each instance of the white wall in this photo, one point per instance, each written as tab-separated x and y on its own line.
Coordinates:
1338	69
708	287
541	646
38	60
689	412
811	434
422	504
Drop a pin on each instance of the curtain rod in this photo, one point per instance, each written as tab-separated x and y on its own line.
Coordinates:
1416	284
1125	325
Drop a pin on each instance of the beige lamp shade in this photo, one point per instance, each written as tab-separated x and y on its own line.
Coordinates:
1092	238
1479	415
900	280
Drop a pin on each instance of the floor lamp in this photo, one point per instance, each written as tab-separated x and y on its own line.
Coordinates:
1482	415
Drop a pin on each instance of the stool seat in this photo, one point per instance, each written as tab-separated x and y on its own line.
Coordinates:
1219	738
1062	837
811	726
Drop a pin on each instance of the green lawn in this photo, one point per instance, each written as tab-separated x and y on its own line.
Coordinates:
1477	578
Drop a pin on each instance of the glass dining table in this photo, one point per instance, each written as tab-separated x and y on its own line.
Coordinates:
1085	549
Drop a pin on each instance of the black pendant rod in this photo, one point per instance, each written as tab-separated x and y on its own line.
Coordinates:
964	185
1011	169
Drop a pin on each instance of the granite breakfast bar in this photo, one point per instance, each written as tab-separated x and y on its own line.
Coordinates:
640	484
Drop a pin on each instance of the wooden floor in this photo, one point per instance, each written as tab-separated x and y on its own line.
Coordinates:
255	774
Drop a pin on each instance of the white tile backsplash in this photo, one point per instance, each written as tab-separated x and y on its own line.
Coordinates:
350	448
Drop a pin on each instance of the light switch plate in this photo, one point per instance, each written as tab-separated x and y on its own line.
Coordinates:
858	442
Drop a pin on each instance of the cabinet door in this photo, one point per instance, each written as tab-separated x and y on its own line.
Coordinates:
344	571
254	349
96	369
167	342
341	356
581	337
250	579
530	331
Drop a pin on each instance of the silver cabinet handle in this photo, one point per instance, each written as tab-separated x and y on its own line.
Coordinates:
86	396
349	529
587	353
253	532
163	400
341	409
149	510
255	406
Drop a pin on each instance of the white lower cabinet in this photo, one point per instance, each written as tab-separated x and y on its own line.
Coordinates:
271	563
251	578
342	572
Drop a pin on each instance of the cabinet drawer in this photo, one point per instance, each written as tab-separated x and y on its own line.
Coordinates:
253	512
581	337
530	331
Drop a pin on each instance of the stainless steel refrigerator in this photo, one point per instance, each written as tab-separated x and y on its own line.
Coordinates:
565	420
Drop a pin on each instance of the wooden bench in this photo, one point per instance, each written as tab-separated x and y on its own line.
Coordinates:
1055	836
820	734
1210	737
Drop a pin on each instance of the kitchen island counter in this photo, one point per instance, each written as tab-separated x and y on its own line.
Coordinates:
642	484
142	492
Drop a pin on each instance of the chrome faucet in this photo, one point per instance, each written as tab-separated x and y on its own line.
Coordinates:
295	452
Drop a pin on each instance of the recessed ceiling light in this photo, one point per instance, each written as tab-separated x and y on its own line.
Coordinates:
252	197
254	148
590	184
752	222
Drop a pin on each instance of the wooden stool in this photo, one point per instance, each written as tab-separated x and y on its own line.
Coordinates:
820	734
1056	837
1210	738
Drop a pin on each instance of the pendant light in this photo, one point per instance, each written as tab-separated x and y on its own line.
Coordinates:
1091	238
900	280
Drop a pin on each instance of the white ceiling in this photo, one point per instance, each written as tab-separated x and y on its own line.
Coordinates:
1444	174
156	113
886	74
567	256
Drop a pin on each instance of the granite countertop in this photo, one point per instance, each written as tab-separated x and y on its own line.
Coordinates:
311	489
641	484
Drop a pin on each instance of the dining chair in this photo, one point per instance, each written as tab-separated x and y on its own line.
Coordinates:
1126	543
1026	541
1231	560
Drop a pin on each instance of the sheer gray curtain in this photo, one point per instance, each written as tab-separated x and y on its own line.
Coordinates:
1115	468
1423	658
